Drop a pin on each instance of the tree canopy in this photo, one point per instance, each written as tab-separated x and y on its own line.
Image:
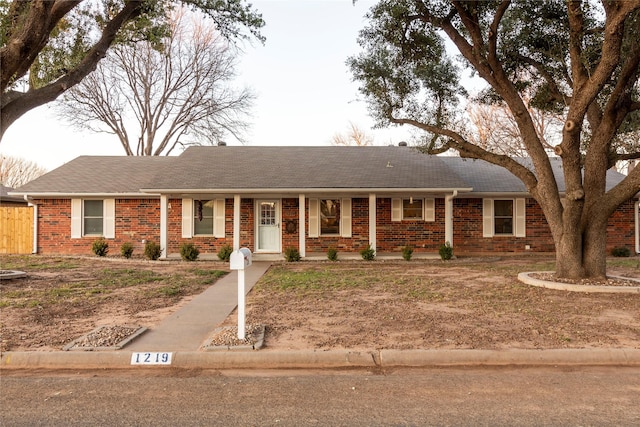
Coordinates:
579	59
48	46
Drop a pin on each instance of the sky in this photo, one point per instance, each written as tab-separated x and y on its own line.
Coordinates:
305	94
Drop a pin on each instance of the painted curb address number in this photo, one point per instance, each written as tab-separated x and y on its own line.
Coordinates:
151	358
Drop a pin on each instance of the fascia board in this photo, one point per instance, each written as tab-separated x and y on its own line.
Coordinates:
51	195
304	190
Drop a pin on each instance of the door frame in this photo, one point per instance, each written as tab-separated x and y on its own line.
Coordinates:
256	209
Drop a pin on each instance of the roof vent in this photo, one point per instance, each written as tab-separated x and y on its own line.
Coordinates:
402	144
222	144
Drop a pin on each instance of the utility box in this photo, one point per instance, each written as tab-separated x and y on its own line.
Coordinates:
240	259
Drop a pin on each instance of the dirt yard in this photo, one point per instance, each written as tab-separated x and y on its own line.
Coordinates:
464	303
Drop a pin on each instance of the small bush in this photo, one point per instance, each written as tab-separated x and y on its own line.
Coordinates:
126	250
100	247
621	251
189	252
446	251
291	255
332	254
407	252
152	250
368	253
224	253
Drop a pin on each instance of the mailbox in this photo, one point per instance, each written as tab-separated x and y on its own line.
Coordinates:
240	259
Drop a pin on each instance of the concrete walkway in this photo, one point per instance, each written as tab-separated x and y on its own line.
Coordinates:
189	327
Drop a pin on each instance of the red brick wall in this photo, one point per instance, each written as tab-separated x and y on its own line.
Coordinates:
139	219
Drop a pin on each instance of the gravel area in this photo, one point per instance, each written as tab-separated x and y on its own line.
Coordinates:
105	337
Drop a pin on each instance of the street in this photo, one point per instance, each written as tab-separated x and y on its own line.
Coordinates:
440	396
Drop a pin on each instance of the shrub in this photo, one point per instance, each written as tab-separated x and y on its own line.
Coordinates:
152	250
368	253
100	247
224	253
621	251
189	252
332	254
446	251
291	255
407	252
126	250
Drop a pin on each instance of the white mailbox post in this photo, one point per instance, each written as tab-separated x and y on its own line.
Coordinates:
239	260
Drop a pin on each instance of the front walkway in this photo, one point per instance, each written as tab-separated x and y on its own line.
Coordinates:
190	326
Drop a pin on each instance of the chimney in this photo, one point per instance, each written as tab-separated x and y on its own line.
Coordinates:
222	144
402	144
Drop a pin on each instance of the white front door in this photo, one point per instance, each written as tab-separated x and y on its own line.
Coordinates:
268	226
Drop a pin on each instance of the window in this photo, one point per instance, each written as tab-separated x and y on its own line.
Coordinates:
329	216
203	217
93	218
503	216
412	209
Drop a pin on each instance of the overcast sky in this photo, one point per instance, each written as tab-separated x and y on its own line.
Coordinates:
304	90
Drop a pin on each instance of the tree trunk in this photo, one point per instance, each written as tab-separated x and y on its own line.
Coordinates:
583	254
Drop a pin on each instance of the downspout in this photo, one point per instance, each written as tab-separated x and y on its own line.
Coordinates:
448	217
34	250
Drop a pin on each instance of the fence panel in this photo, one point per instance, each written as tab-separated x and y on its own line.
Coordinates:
16	230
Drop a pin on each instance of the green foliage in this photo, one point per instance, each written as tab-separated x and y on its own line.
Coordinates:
291	254
621	251
100	247
407	253
446	251
126	250
368	253
152	250
189	252
224	253
332	254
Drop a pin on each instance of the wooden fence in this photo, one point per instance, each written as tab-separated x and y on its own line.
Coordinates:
16	230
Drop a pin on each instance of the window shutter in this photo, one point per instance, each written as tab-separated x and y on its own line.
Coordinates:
521	218
429	209
487	217
109	218
187	218
314	218
396	209
76	218
345	218
219	219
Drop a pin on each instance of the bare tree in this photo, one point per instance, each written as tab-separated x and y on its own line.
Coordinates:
154	100
16	171
353	136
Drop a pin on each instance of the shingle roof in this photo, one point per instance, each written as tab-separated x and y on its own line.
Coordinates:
287	168
5	197
99	175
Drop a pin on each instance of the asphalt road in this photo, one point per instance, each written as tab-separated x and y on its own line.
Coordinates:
540	396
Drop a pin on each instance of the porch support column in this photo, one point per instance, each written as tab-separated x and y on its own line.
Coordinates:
448	217
372	221
302	242
236	222
164	223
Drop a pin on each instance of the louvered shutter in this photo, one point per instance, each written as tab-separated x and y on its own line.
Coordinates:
219	219
187	218
521	218
487	217
396	209
76	218
109	218
314	218
345	218
429	209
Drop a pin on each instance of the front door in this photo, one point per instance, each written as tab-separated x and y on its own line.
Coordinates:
268	221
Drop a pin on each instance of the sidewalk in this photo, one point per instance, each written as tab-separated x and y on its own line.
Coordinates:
182	334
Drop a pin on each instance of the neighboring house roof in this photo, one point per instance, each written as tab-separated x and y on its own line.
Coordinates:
247	169
6	198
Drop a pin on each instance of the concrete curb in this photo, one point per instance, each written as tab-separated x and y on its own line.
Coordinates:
525	277
305	359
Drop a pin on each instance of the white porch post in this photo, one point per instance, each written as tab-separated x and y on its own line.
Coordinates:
448	217
372	221
302	242
236	222
164	223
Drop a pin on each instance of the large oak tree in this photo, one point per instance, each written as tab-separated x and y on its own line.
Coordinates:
48	46
579	58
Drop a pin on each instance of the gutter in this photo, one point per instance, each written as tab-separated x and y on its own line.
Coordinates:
34	250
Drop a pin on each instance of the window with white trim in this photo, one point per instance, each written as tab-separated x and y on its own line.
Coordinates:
329	217
412	209
203	217
92	218
503	217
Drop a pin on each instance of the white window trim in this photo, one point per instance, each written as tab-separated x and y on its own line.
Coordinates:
428	209
519	218
108	219
346	217
188	218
